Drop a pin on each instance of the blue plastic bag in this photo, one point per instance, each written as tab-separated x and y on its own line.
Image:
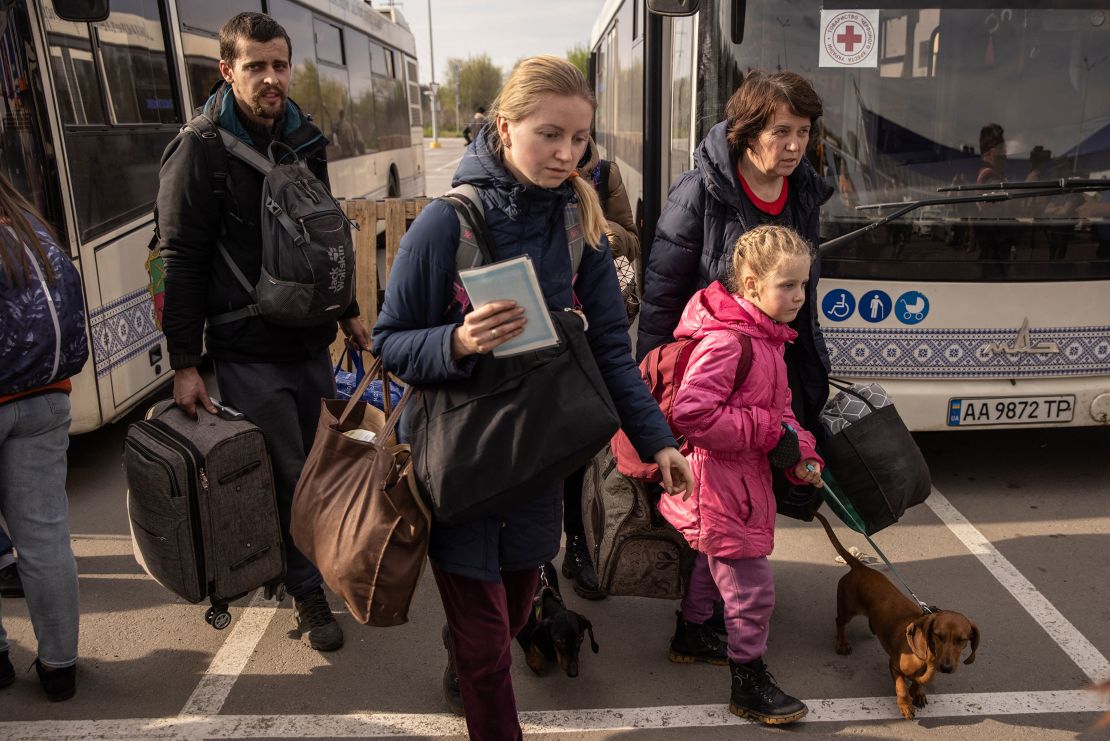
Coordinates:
347	381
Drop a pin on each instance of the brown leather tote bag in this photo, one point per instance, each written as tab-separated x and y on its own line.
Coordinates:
356	513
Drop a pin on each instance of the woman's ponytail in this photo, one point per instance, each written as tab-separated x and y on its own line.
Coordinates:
589	210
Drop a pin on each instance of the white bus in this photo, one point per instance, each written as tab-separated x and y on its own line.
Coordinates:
969	314
89	108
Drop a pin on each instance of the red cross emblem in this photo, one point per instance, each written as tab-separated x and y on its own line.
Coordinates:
849	38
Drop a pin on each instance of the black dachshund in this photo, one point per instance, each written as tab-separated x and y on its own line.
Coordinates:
553	634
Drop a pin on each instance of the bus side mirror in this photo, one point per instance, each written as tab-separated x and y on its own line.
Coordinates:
82	11
673	7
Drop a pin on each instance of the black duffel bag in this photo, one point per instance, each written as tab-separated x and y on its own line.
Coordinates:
873	456
500	438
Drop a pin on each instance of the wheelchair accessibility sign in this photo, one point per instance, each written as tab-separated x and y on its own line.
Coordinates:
838	304
911	307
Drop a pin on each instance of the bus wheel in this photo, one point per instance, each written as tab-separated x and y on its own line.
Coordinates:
394	188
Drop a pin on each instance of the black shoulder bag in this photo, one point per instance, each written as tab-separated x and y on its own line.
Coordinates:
500	438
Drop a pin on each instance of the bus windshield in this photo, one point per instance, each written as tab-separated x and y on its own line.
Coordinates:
959	96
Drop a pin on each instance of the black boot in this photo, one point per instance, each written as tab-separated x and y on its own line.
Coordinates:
451	694
756	696
577	565
696	642
716	621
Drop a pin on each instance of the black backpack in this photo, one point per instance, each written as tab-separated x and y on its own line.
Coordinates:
308	256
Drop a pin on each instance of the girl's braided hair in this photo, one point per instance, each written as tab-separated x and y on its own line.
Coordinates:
761	250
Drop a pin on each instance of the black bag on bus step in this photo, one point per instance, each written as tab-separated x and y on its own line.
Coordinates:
202	508
873	456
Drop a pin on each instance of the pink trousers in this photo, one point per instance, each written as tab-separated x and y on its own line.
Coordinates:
748	589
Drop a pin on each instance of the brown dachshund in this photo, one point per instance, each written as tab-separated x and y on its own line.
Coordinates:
918	645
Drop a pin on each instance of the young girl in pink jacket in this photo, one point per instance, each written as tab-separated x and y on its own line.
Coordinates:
730	518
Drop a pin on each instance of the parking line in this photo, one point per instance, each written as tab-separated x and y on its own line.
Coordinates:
439	725
452	164
1088	658
228	663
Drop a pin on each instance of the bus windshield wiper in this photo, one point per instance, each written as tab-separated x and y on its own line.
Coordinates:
995	192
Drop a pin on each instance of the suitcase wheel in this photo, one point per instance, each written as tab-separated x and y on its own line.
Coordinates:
275	592
218	618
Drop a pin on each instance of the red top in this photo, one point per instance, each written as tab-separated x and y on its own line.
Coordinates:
64	386
774	207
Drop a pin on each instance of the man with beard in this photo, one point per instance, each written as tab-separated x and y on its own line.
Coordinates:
274	374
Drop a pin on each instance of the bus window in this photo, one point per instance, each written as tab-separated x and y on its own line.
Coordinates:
209	16
133	58
114	166
201	21
329	42
23	136
71	59
416	117
304	90
682	68
362	89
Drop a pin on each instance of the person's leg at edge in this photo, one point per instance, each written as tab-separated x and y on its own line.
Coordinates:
34	438
270	395
693	639
748	588
577	560
482	618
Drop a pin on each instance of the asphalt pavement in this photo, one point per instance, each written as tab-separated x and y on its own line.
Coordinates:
1015	536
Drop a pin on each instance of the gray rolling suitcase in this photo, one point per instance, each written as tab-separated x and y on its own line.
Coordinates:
204	518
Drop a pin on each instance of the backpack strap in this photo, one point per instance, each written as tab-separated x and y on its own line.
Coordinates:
476	242
215	154
744	367
246	311
473	232
235	147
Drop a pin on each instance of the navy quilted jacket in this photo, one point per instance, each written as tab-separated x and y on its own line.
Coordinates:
42	336
706	212
413	338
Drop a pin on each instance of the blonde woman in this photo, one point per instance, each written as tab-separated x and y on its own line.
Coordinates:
523	165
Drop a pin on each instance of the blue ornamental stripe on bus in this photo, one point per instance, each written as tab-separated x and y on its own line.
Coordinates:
965	353
122	329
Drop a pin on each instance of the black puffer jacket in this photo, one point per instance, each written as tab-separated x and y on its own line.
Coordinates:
190	218
706	212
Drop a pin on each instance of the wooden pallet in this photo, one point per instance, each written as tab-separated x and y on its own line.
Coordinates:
393	215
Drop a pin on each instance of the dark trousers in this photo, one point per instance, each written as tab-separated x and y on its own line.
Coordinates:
572	504
483	617
283	399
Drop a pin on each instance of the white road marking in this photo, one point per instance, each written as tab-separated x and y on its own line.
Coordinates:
379	725
228	663
1088	658
450	165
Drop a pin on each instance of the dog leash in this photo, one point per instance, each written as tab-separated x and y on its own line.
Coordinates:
926	609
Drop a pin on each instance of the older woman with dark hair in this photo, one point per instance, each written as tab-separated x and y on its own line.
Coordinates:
750	170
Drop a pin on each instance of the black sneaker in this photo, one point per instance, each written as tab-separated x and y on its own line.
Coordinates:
755	696
59	684
315	623
10	583
451	694
696	642
7	671
578	565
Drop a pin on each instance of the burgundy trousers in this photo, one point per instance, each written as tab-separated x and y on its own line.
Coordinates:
483	617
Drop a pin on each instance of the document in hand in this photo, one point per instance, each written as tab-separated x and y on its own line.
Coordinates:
513	280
